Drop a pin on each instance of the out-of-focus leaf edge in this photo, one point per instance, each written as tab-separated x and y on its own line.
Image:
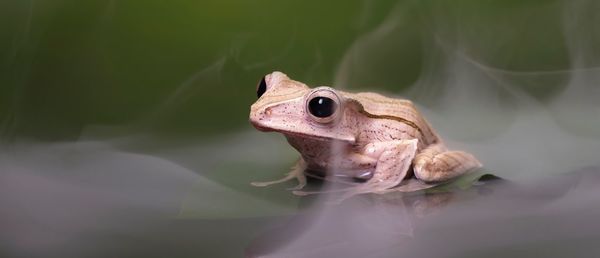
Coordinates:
465	182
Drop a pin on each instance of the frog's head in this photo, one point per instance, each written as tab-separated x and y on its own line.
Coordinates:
292	108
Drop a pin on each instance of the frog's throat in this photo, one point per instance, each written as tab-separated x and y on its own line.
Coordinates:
332	138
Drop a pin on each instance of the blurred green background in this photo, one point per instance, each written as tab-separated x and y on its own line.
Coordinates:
189	68
514	82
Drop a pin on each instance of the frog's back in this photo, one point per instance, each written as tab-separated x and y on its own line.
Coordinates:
378	106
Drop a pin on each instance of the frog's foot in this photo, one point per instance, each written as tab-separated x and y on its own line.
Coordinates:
436	164
297	172
301	184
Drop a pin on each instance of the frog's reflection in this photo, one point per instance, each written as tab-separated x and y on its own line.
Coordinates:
360	226
495	218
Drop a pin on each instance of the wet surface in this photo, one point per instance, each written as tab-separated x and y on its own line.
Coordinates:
492	219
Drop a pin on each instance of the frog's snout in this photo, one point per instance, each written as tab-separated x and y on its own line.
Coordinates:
258	118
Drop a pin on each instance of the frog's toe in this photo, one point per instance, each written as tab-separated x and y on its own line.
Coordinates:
303	193
297	187
259	184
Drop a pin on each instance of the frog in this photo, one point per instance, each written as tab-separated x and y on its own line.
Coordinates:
382	144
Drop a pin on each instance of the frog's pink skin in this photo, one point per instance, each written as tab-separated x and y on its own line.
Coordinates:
369	135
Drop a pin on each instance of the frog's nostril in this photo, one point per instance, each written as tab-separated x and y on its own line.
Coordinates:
268	112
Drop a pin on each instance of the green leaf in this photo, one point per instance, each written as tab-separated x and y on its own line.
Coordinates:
464	182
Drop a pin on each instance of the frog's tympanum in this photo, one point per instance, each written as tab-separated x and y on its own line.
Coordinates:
384	143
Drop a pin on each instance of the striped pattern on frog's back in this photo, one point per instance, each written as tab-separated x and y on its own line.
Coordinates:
378	106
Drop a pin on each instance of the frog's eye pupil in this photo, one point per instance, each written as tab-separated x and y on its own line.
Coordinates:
322	107
261	88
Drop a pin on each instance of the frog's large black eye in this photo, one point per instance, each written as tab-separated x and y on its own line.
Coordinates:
261	87
322	107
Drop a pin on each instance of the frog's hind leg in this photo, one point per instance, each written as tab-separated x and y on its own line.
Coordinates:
392	167
436	164
297	172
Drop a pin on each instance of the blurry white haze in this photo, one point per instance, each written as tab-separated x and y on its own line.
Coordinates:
128	196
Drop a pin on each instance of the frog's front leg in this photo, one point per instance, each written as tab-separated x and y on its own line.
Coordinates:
297	172
392	165
394	158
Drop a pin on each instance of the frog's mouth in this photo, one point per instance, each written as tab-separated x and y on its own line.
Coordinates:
319	137
259	127
296	134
